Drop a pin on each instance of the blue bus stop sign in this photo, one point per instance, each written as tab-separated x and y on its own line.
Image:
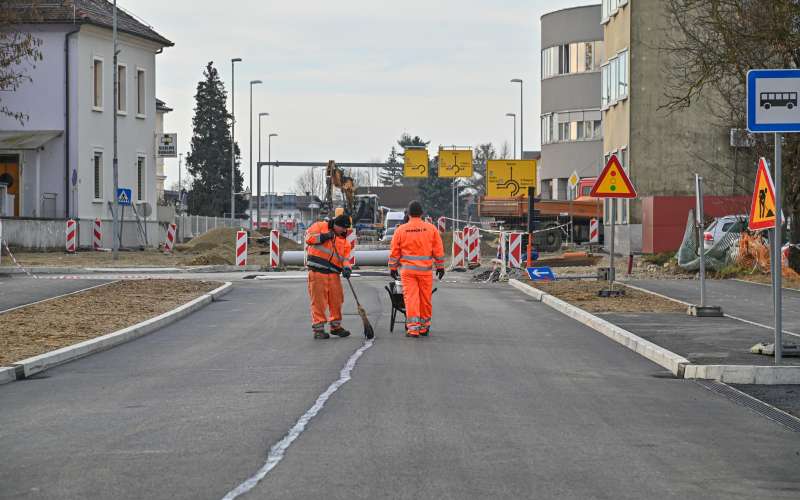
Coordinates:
772	100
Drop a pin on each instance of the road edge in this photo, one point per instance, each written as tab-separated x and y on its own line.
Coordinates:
36	364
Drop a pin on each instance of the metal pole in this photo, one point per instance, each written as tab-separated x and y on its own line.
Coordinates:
515	137
115	163
777	257
613	270
521	121
699	218
269	180
250	161
258	177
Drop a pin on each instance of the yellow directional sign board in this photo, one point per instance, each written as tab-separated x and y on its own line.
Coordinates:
507	178
763	212
416	163
455	163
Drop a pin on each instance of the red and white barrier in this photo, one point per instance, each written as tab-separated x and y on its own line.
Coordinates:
428	219
172	229
474	245
515	250
459	250
72	236
241	248
97	235
441	224
352	239
594	231
274	249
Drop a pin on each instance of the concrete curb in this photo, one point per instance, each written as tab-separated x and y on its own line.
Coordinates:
127	270
676	364
7	374
36	364
657	354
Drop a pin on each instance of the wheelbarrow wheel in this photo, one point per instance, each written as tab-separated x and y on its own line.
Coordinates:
393	318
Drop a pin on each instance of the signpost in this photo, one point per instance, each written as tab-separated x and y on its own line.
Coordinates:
455	162
772	107
702	310
416	163
613	183
541	274
510	178
124	197
573	181
167	145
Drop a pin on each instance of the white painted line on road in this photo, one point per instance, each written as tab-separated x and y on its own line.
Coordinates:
59	296
268	277
644	290
278	450
763	284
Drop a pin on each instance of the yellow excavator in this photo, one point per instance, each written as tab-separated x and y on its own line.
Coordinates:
364	210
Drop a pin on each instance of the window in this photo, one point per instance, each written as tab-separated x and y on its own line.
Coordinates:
97	163
622	74
122	94
579	57
140	178
97	78
614	86
141	98
569	126
610	7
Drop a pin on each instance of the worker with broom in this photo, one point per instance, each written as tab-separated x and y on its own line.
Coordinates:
417	250
328	256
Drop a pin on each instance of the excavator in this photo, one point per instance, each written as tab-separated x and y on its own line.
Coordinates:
364	209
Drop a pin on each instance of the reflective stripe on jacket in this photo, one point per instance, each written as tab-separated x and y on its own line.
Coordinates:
416	248
330	256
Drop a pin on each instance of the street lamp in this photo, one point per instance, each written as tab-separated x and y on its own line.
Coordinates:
250	158
233	135
271	179
521	115
514	116
258	173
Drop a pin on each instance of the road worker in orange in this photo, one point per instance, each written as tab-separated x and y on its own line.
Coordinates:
328	256
416	251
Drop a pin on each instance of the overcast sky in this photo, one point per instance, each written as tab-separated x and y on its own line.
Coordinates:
344	79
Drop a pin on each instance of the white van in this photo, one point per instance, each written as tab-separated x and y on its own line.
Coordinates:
393	219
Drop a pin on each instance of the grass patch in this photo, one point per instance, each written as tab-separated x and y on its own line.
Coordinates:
659	259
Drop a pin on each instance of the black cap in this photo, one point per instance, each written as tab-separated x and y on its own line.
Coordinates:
342	221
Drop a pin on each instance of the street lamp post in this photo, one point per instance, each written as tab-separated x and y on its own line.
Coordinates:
514	116
258	174
271	180
521	118
250	204
233	136
115	162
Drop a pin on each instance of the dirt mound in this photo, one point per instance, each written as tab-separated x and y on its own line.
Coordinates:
216	247
290	245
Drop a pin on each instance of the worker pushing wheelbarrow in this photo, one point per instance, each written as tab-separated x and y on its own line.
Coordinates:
417	250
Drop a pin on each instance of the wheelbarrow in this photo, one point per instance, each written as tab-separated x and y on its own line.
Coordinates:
395	290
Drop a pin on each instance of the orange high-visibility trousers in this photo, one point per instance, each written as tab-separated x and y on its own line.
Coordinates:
327	296
417	291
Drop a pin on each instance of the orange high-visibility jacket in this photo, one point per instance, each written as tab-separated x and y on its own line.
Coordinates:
416	248
330	256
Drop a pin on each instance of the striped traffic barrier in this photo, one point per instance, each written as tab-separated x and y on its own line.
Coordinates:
474	245
274	249
515	250
459	250
594	231
170	241
241	248
441	224
72	236
97	235
352	239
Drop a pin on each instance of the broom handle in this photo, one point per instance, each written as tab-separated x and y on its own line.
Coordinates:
354	292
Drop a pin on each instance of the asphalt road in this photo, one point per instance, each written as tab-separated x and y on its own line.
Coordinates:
507	399
19	291
750	301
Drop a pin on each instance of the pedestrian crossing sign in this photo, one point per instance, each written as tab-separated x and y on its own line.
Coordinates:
762	210
613	182
124	196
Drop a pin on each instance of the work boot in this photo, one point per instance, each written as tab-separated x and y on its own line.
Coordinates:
412	334
321	335
424	334
340	332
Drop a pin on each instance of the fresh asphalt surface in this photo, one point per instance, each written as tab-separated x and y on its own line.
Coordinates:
21	290
507	399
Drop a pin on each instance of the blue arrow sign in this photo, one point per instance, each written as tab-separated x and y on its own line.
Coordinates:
124	196
541	274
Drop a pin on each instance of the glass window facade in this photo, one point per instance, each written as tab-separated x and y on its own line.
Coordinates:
572	126
614	86
579	57
610	8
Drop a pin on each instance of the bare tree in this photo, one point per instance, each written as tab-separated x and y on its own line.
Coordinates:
712	44
19	51
505	151
311	182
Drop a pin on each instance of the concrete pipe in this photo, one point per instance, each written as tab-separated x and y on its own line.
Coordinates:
363	258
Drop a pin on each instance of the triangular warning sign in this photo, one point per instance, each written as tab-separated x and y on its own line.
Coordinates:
123	197
613	182
762	210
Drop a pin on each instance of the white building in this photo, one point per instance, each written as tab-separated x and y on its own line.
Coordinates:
59	161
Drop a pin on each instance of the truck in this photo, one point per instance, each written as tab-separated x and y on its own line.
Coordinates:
512	213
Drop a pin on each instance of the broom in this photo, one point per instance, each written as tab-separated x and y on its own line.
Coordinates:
368	331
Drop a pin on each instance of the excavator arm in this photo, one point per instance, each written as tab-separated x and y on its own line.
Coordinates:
335	178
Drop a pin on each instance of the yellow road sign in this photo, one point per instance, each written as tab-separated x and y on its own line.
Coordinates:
455	163
613	182
416	163
762	211
505	178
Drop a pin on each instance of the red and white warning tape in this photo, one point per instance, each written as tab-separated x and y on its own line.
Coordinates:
14	259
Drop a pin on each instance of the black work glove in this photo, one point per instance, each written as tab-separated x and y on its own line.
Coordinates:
440	274
395	275
347	272
327	236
